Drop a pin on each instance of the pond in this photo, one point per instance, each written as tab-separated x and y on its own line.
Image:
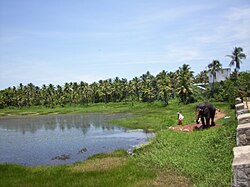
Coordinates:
63	139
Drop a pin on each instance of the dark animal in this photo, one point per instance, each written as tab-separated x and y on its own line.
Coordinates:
207	111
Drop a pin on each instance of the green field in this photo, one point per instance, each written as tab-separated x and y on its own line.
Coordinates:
201	158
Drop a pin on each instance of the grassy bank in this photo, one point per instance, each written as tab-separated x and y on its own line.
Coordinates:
108	170
204	156
201	158
41	110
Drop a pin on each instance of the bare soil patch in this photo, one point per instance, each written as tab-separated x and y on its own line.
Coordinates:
191	127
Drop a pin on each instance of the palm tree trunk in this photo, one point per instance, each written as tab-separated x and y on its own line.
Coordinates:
213	87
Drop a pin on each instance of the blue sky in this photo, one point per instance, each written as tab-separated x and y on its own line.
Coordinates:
58	41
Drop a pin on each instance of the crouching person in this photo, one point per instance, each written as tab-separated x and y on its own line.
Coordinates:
180	118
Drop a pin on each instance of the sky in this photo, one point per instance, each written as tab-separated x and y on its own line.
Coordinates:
59	41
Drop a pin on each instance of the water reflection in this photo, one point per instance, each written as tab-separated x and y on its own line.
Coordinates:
35	140
51	122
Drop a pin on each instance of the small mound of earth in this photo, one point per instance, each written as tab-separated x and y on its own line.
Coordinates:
193	126
189	127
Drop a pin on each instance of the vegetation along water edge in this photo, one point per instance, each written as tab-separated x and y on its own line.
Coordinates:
201	158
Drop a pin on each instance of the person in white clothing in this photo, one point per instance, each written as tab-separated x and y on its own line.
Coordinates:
180	118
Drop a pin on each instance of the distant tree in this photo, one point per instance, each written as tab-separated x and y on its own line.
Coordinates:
132	90
84	92
237	55
184	85
105	89
116	90
95	97
214	67
147	89
124	89
202	77
173	76
136	82
163	82
230	92
244	83
51	95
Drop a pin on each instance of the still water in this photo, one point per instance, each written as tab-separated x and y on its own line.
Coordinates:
63	139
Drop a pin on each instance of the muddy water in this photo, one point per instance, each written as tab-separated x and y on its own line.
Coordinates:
63	139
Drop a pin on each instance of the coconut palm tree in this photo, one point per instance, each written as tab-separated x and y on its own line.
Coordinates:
213	67
132	90
105	90
66	93
202	77
237	55
124	89
163	82
116	89
146	87
136	82
50	94
173	83
85	93
95	97
184	85
59	95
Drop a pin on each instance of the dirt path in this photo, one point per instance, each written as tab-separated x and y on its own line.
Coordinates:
190	127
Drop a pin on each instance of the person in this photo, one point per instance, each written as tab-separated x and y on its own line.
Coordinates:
180	118
241	94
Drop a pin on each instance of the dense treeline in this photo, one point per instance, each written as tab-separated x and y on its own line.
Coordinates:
146	88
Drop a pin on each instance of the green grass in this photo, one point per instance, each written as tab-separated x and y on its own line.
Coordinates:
93	172
201	158
41	110
204	156
157	117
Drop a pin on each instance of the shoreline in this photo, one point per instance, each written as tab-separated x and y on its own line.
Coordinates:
164	160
